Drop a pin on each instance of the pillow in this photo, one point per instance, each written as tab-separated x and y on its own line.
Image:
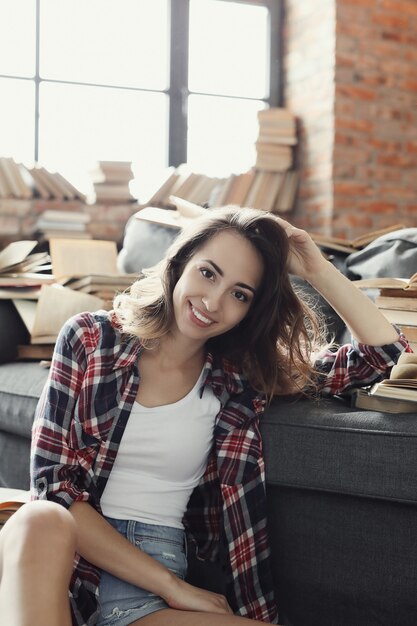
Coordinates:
393	254
144	244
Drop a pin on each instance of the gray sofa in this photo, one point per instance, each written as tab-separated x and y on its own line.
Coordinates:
342	497
341	485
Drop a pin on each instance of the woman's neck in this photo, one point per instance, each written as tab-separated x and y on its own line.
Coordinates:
177	352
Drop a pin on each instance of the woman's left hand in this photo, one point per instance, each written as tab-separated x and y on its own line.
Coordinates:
305	258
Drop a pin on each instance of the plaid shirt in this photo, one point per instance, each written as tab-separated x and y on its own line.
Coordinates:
80	420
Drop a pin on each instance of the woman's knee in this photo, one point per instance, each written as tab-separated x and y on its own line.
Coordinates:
40	527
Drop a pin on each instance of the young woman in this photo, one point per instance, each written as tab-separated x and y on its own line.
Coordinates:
148	427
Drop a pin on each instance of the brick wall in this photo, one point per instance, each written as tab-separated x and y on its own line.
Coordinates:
359	153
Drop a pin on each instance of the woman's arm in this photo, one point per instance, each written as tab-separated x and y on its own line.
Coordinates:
99	543
364	320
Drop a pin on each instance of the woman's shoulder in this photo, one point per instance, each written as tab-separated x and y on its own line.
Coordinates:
91	327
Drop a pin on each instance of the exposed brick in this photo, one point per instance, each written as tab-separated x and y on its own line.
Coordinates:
361	125
352	188
353	91
397	159
390	20
402	7
379	207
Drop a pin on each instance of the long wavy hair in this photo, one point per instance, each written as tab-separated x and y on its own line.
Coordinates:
273	345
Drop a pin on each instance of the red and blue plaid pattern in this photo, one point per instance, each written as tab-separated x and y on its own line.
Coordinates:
79	424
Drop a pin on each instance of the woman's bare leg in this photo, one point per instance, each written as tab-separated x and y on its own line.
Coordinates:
37	546
191	618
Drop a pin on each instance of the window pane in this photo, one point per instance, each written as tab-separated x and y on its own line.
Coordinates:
17	119
229	48
80	125
17	37
110	42
221	134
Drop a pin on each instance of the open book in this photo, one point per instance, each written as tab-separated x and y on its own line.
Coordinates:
21	268
352	245
387	283
55	306
10	501
402	383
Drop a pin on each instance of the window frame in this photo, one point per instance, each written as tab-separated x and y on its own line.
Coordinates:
177	91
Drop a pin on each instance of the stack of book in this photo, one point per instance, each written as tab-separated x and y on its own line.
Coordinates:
182	183
277	135
22	271
270	191
55	223
397	301
103	286
111	182
396	394
19	181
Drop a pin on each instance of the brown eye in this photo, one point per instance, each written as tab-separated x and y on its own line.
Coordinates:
207	273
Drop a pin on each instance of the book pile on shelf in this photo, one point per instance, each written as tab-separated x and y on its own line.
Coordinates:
349	246
62	223
182	183
22	271
21	182
397	301
111	182
396	394
270	191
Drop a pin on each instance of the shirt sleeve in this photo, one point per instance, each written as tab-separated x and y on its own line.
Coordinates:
55	469
357	365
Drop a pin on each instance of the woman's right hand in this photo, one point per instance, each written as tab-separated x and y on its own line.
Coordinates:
186	597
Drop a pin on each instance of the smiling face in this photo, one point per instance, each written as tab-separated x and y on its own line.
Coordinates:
217	287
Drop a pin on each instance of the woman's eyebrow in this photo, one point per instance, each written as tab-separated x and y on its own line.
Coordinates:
219	271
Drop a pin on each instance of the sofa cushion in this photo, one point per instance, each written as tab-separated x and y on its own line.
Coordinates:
328	446
21	384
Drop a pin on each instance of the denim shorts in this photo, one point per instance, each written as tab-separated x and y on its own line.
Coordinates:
122	603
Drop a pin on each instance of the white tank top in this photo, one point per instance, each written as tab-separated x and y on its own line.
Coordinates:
161	458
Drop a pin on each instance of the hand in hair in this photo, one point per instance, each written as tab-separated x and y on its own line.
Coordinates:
305	258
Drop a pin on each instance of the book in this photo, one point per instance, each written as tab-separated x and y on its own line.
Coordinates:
96	282
402	383
33	352
397	392
56	304
409	331
15	253
362	399
285	200
10	501
387	283
352	245
26	279
240	188
406	317
398	303
78	257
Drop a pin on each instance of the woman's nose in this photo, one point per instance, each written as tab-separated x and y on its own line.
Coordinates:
211	302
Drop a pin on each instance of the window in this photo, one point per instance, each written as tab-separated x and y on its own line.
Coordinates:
157	83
